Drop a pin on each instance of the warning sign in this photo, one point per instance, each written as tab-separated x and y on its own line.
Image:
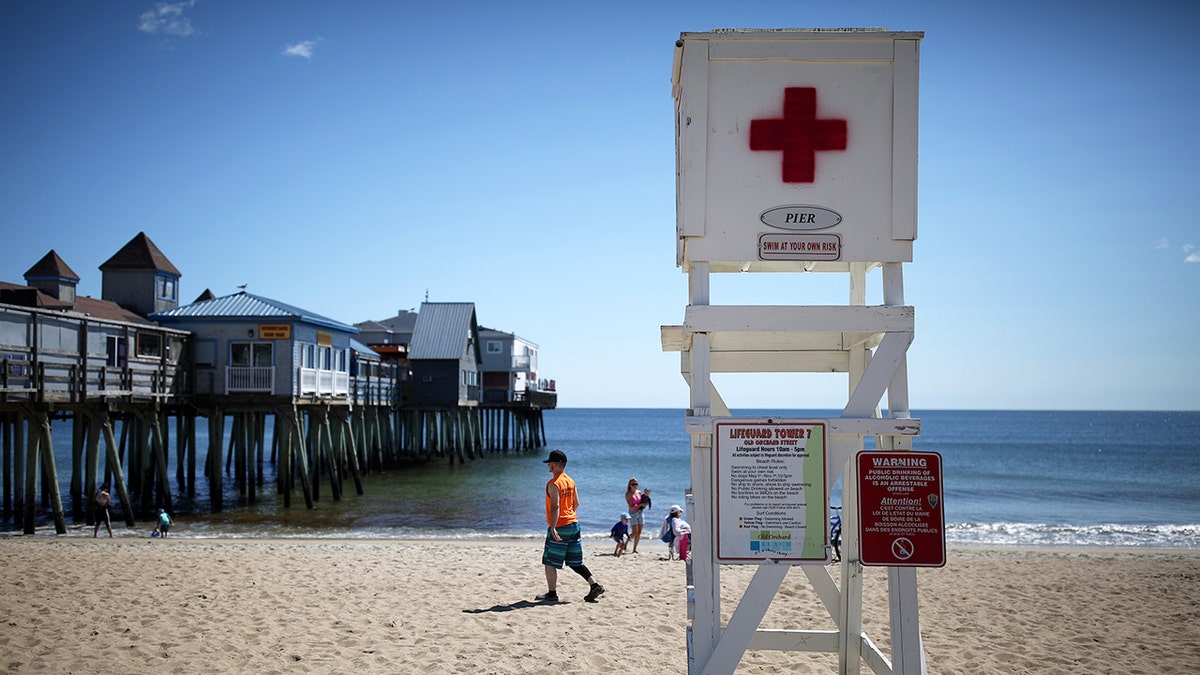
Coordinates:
901	519
773	246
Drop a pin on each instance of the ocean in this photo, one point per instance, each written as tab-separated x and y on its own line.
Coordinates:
1010	478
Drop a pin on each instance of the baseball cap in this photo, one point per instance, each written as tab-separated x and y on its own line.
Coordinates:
675	508
556	456
624	516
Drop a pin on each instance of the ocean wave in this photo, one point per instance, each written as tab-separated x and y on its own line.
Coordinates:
1052	535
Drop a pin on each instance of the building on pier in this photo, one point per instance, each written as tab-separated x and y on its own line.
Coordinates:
247	345
510	371
444	356
395	332
59	347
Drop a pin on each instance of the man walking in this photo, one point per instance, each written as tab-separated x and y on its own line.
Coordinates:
563	544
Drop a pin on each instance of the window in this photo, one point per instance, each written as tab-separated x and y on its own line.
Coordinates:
495	347
13	361
206	353
167	286
250	354
116	352
149	345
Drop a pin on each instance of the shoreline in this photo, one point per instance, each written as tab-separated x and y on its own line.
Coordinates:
536	541
453	605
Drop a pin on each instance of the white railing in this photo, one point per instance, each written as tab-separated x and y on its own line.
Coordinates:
246	378
323	382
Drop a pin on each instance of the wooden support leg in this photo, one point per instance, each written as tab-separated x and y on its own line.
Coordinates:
114	468
48	465
352	452
301	455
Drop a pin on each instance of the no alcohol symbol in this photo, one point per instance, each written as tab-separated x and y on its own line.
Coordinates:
902	548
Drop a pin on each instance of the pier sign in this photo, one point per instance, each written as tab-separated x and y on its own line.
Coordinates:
770	491
901	519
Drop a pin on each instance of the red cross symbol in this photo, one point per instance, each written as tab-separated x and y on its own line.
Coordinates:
799	134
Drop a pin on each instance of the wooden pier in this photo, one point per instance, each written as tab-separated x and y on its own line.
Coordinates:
124	409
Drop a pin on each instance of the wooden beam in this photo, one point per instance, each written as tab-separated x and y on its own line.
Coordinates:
820	318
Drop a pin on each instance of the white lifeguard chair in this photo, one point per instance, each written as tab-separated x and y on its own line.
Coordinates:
796	151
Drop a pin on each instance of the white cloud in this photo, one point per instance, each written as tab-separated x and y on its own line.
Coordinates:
304	49
1162	244
1193	257
167	18
1187	248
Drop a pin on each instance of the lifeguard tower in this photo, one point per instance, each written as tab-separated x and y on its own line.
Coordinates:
796	152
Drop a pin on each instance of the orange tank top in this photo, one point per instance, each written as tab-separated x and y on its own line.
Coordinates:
566	500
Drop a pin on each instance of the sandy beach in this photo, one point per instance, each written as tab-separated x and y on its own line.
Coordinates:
73	605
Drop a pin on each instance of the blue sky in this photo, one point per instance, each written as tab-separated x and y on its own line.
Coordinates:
351	157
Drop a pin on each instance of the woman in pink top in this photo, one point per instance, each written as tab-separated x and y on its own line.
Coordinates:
633	500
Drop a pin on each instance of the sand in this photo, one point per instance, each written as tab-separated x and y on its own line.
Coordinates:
74	605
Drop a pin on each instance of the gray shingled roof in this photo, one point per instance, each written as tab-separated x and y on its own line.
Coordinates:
140	254
27	296
51	267
442	330
404	321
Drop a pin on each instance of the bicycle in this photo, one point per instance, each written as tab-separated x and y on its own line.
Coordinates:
835	532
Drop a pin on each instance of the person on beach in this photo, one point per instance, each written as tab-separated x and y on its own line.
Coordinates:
103	499
563	543
633	500
677	533
645	500
164	523
620	534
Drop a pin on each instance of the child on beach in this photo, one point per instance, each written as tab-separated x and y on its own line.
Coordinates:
676	533
164	523
620	534
103	500
646	499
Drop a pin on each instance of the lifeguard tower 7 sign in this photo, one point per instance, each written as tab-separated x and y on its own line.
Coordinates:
797	149
770	491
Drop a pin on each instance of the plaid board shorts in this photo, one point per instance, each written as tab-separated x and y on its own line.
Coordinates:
569	550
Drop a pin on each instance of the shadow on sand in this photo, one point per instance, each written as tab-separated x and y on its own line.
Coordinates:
520	604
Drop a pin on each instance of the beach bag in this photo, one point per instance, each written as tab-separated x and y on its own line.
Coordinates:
668	533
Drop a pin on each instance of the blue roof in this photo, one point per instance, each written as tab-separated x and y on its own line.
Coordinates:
245	305
364	350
